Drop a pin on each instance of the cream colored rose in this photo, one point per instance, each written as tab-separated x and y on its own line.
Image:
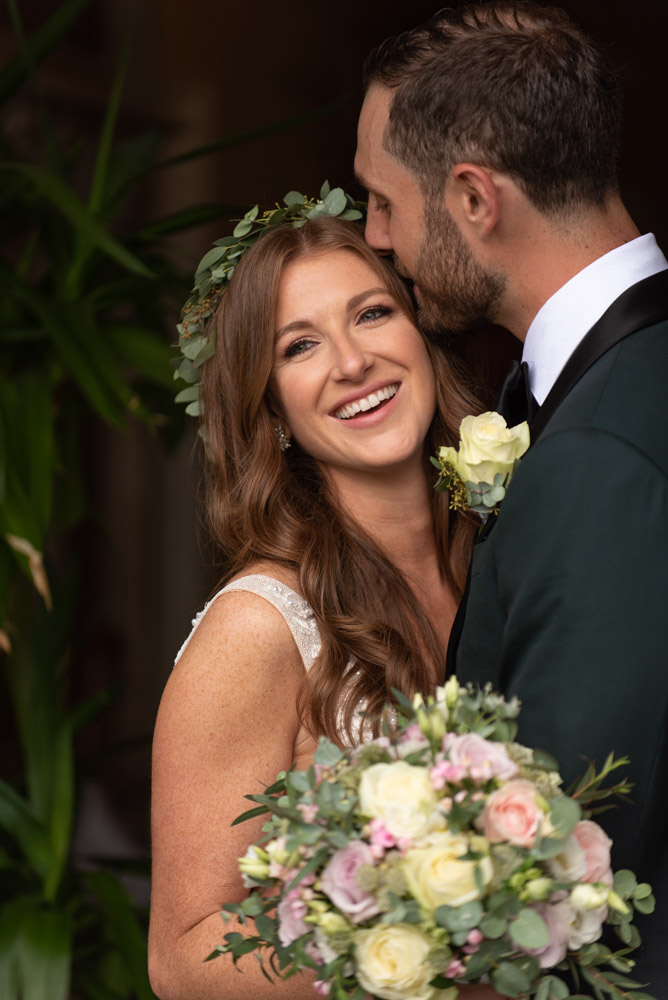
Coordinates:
402	796
570	865
437	875
393	963
588	897
487	447
585	926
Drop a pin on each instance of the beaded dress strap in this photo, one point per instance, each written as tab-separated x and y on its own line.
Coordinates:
297	613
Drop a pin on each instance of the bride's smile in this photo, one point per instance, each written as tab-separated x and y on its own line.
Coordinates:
366	404
352	380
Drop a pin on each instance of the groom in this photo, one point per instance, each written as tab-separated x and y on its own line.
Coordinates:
488	144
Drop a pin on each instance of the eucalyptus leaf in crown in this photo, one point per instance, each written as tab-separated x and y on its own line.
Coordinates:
197	335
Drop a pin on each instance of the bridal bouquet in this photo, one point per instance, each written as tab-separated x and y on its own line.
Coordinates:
440	853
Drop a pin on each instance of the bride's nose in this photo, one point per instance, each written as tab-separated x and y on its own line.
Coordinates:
350	362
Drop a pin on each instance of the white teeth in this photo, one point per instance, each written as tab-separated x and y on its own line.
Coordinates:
367	403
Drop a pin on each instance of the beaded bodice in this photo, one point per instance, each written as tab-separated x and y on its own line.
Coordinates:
297	613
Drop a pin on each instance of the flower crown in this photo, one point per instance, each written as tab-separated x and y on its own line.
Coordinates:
197	335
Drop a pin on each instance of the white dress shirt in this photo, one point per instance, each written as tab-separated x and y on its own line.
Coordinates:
562	322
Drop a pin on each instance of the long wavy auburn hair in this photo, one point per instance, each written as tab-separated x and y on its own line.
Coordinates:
264	504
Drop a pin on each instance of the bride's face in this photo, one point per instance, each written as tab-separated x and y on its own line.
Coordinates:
352	379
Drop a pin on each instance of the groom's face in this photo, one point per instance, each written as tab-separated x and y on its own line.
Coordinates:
454	292
395	219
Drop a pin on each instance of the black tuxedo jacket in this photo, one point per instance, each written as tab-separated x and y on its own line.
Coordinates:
568	598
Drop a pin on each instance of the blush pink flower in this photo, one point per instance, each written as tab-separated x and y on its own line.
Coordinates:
339	881
481	759
443	772
455	969
380	835
512	814
473	941
412	741
557	917
291	912
380	839
596	845
309	811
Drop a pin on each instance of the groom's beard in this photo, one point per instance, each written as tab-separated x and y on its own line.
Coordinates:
455	293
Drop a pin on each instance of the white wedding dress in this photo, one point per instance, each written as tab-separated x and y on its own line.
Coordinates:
298	616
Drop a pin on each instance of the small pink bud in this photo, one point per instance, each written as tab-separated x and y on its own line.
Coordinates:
456	968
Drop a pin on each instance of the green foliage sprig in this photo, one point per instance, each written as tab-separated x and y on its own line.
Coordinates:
481	498
197	335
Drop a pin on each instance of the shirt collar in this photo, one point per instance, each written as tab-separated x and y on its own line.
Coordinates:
562	322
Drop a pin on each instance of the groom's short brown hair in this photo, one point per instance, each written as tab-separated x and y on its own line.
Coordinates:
510	85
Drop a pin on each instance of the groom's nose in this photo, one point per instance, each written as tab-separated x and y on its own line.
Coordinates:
377	232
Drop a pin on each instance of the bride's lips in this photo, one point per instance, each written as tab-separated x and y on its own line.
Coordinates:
363	407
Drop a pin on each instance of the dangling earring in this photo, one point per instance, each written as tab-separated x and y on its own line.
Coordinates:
283	439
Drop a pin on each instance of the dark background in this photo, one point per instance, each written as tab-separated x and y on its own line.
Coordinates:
200	71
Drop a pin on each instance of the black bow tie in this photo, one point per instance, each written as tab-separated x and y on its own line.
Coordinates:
515	402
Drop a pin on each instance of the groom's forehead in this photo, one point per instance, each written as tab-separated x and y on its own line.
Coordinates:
371	128
375	168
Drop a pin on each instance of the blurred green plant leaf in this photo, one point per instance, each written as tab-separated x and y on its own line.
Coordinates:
61	808
187	218
39	46
143	351
125	929
50	187
44	955
18	819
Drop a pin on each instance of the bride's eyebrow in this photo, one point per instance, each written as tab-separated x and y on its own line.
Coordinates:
354	303
357	300
297	324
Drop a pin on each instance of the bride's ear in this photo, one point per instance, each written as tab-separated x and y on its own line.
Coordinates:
279	423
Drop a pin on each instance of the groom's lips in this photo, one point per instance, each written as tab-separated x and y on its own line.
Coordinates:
416	291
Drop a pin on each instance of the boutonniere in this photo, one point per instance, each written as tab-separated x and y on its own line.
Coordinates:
478	472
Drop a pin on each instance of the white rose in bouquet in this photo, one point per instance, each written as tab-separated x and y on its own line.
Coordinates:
438	875
393	963
403	798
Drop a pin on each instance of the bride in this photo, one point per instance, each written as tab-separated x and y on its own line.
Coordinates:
322	405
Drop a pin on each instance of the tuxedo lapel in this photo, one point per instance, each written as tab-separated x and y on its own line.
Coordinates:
640	306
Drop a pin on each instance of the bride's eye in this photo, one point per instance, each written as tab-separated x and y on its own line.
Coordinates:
373	313
298	347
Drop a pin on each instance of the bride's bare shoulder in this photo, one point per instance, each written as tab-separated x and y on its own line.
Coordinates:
242	628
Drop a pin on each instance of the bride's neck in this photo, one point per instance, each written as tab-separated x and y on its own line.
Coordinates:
395	511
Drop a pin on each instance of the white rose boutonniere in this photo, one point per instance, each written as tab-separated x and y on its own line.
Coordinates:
478	472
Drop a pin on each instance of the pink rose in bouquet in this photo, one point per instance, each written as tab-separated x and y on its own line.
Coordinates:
479	758
512	813
557	917
339	881
291	912
596	844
